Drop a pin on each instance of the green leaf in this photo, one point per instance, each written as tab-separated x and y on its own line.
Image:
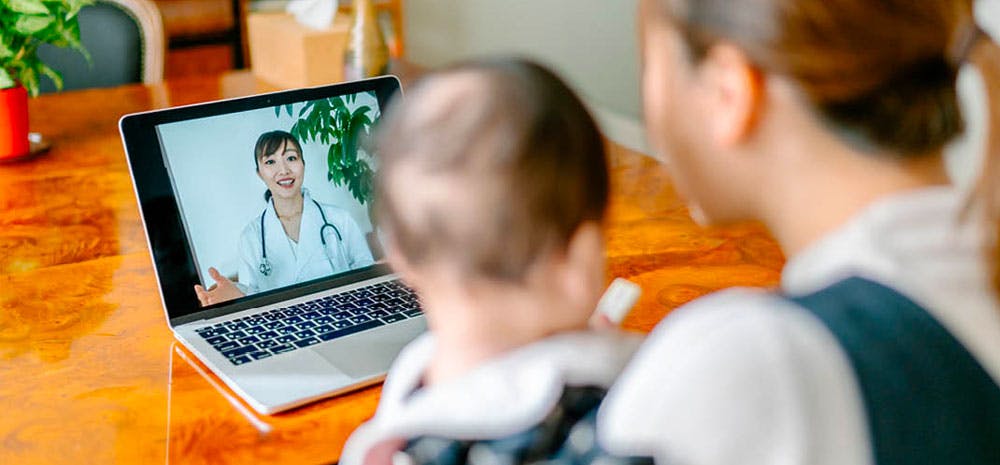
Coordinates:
288	109
5	51
29	25
277	113
28	7
51	74
75	6
306	108
29	78
6	82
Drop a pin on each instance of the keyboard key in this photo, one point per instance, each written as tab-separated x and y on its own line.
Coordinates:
287	339
342	324
280	349
304	334
239	351
273	325
393	318
324	329
363	302
307	324
228	345
255	330
378	313
216	340
206	330
340	316
345	307
260	354
360	319
307	342
353	329
293	320
249	340
267	344
240	360
221	330
413	312
323	320
239	325
237	335
312	315
267	335
288	330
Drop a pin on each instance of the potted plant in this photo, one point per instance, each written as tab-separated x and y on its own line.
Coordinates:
24	25
333	123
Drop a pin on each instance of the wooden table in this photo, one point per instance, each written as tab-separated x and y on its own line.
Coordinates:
89	372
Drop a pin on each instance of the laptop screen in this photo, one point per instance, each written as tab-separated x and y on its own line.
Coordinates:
276	196
271	194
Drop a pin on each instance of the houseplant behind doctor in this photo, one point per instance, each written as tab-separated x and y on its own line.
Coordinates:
295	238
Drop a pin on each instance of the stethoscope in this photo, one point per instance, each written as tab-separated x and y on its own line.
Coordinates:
265	264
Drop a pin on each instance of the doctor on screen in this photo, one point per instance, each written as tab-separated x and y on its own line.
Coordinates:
295	238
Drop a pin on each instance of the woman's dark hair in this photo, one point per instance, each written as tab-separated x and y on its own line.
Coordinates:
268	143
521	160
881	73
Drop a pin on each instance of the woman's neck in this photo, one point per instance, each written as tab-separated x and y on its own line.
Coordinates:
813	198
288	207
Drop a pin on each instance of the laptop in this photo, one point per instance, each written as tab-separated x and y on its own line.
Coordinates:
317	312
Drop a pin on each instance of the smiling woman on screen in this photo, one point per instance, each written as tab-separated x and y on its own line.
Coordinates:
295	238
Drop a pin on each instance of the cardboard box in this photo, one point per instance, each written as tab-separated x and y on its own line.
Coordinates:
288	54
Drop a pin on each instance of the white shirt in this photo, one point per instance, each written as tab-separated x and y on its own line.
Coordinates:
745	377
504	396
308	259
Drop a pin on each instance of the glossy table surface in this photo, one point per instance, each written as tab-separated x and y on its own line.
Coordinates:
89	371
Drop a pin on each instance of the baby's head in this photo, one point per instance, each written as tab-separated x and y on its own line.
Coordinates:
494	181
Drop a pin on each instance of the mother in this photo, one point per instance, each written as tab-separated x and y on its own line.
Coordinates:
826	120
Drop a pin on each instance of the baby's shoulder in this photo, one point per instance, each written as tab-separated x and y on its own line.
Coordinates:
566	436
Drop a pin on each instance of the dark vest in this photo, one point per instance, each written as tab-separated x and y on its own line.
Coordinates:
927	400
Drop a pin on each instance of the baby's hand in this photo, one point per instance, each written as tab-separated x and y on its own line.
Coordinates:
616	302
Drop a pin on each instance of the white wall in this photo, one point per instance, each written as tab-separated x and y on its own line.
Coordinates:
592	43
219	192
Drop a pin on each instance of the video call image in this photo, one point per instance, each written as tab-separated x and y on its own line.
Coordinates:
277	196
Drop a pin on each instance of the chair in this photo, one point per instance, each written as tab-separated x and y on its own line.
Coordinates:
125	41
191	25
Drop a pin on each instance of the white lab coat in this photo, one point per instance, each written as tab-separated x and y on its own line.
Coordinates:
307	260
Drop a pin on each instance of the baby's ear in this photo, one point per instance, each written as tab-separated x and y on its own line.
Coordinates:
584	264
399	264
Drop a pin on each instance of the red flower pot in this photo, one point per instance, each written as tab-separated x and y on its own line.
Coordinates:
13	122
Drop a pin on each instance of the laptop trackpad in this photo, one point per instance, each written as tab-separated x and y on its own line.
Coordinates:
370	353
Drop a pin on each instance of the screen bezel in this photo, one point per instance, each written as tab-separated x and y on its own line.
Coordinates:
175	269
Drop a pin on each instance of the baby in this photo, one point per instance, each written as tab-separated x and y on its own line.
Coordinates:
492	192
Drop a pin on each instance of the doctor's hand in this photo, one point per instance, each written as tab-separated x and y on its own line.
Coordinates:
223	290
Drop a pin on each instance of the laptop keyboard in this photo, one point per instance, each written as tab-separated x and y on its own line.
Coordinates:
274	332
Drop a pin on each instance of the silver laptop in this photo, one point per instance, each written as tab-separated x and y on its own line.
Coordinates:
305	308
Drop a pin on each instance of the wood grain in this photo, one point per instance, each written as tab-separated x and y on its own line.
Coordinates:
89	372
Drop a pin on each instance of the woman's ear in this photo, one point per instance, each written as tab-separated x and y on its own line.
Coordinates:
736	93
